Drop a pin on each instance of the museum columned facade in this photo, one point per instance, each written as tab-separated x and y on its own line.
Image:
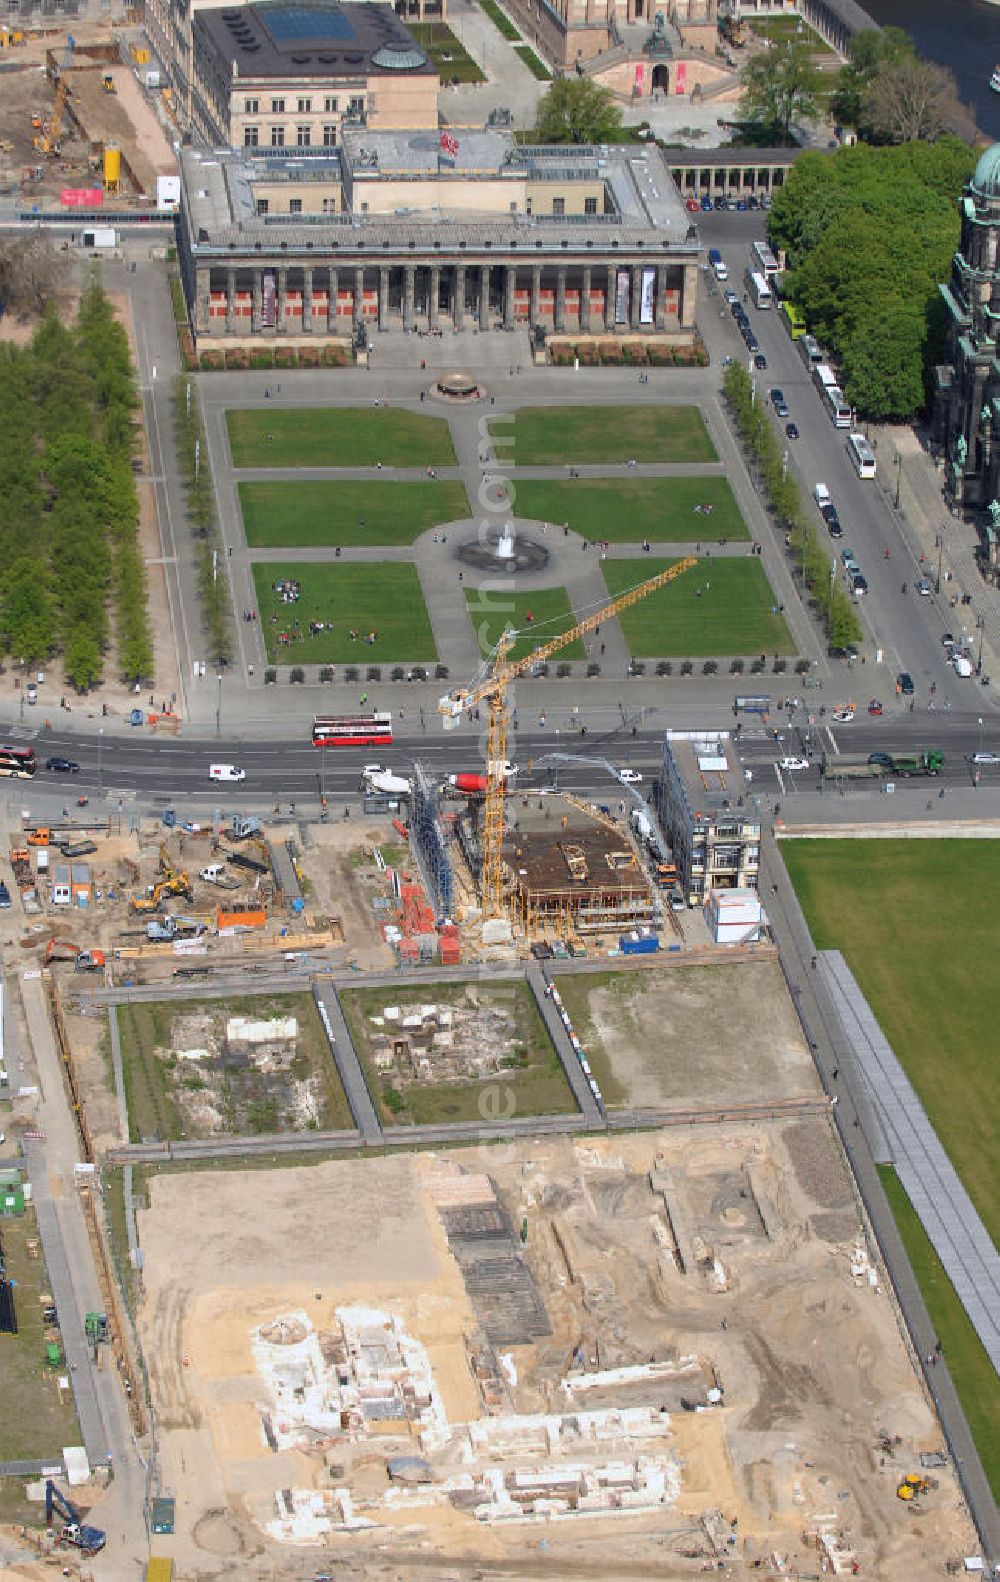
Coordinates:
419	230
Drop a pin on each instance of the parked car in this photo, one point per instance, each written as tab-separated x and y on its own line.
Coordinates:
706	204
742	204
759	361
630	777
791	764
730	296
792	430
859	584
850	564
924	588
4	897
834	528
875	708
753	202
905	683
62	766
693	206
778	402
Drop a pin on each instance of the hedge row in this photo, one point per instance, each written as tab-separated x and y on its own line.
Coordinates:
213	580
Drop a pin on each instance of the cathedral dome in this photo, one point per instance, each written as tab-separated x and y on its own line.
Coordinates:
987	177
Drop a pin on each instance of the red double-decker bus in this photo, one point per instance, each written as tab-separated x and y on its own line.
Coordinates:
352	730
18	763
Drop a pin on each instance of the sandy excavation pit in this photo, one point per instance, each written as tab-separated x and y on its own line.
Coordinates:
692	1332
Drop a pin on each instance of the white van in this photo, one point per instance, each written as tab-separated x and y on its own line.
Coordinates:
821	495
963	666
214	871
226	772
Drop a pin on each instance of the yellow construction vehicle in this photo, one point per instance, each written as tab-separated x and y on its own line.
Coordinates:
47	139
493	691
108	83
912	1485
176	884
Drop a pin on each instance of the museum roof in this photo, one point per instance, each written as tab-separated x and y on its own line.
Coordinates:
310	38
220	210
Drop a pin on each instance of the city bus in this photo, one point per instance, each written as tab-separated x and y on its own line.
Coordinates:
794	320
764	261
862	455
810	351
352	730
759	290
840	412
18	763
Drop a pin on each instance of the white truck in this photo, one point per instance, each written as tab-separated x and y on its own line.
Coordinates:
379	781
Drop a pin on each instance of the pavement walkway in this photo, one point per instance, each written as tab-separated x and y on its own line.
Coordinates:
946	1211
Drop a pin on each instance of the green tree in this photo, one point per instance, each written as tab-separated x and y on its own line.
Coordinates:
843	626
27	615
884	362
576	110
778	88
82	660
867	52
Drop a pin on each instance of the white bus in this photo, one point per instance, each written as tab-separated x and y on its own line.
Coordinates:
824	377
837	407
759	290
861	455
764	261
810	351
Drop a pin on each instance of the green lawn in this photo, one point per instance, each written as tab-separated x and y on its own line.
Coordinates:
735	612
500	21
780	28
36	1420
384	597
973	1373
627	510
530	1081
925	963
313	513
446	52
328	436
490	611
545	436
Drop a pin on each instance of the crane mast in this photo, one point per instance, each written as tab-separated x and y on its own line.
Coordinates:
492	690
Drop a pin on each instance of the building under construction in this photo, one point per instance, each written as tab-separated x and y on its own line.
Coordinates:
580	880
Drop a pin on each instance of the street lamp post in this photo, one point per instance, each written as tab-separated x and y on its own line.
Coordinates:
100	760
980	626
899	469
218	707
939	545
980	733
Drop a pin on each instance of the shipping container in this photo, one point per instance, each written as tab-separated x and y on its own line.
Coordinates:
636	944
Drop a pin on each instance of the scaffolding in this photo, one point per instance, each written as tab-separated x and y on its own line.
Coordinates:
427	841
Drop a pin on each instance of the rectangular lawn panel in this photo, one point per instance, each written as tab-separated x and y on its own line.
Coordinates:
384	597
331	436
315	513
490	611
735	611
546	435
627	510
527	1076
926	966
169	1097
972	1372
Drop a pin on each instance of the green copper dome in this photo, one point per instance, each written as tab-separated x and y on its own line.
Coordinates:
987	177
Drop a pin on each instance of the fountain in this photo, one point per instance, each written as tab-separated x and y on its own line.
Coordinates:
499	551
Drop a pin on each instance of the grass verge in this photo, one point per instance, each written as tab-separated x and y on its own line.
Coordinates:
534	62
972	1372
312	514
546	436
500	21
719	608
384	597
627	510
37	1418
490	611
337	437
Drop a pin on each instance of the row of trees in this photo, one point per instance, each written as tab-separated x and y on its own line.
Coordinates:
818	572
68	507
885	92
213	583
868	235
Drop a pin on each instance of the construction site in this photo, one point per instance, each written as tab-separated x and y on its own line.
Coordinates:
82	118
637	1346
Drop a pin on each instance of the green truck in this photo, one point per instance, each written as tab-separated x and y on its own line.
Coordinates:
874	766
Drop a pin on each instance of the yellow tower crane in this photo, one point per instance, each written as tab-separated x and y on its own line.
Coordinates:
492	690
